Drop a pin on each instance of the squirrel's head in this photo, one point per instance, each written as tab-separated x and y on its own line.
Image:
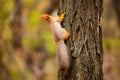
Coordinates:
50	18
46	17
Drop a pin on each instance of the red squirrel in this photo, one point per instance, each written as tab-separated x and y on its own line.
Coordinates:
59	34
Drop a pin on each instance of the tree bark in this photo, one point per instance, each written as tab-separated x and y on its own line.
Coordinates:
83	21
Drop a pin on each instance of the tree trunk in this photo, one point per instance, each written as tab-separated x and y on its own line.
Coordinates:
17	30
83	21
4	75
16	25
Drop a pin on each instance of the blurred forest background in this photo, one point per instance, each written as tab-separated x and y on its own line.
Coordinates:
27	50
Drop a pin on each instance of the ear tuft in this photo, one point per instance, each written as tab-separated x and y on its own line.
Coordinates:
45	16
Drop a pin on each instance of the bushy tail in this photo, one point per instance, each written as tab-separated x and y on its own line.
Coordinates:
63	56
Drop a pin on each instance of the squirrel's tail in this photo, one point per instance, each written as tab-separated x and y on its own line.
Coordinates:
63	56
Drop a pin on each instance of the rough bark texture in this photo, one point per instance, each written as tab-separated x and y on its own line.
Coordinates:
83	21
16	25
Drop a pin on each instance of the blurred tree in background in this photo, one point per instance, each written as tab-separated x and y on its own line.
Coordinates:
23	38
111	41
27	50
16	24
116	4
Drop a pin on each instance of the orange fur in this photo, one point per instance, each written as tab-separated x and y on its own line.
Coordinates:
46	17
60	19
67	34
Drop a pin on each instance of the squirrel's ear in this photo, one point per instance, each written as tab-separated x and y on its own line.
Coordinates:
45	16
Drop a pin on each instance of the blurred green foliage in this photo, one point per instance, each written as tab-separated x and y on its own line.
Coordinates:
32	37
36	33
112	44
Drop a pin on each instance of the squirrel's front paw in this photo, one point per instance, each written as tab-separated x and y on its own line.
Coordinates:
67	36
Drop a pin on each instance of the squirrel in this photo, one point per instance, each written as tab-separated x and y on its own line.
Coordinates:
59	34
